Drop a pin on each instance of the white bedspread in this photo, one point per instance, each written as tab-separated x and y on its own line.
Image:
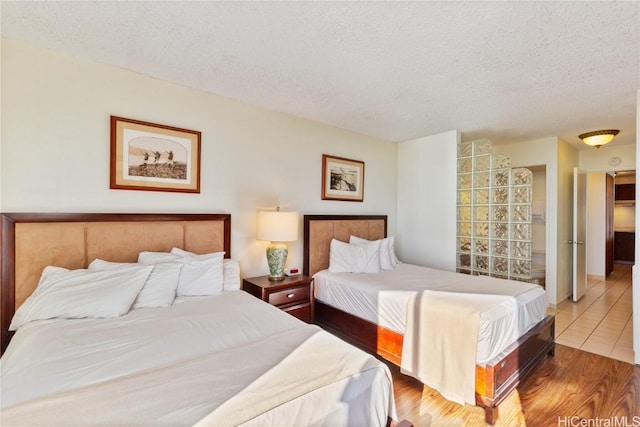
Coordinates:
383	298
225	360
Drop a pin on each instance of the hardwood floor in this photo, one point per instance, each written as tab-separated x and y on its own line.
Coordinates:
562	390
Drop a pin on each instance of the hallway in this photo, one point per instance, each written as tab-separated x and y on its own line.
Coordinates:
601	322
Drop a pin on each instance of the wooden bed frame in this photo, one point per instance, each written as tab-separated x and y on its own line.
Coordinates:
494	381
31	241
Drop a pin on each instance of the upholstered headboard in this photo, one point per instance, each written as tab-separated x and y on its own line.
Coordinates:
31	241
320	229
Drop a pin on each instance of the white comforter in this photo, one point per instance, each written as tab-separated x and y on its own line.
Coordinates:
450	321
225	360
383	299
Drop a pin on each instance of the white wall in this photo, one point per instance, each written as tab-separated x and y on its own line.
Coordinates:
567	161
597	160
624	218
426	231
636	271
539	193
55	149
543	152
1	139
596	224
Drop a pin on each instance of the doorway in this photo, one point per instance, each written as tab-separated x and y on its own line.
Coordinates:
610	222
624	217
602	322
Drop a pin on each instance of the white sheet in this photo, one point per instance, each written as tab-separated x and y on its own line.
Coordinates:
382	298
49	359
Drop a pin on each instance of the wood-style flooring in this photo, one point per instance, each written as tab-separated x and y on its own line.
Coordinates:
573	385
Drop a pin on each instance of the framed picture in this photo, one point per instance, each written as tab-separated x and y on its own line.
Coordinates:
153	157
342	179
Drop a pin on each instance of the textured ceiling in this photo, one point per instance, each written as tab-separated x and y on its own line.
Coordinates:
505	71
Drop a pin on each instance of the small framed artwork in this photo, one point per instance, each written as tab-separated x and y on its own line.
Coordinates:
342	179
154	157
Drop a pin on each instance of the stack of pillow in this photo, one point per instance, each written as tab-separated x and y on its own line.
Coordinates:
362	255
110	289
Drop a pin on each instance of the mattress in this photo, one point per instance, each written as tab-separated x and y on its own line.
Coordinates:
382	298
223	360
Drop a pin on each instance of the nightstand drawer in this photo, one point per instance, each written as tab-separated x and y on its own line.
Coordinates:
302	312
294	294
289	296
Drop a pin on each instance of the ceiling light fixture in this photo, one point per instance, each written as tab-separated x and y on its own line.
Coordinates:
598	138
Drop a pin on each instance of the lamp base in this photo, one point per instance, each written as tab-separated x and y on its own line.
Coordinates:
276	258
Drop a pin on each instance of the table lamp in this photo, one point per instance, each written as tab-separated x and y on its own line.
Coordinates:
277	227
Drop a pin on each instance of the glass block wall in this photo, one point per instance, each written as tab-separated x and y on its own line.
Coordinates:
494	214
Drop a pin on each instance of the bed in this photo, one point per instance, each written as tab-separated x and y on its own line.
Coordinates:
221	359
374	312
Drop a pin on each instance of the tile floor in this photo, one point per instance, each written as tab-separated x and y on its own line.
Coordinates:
601	321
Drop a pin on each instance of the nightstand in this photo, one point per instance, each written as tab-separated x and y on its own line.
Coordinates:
294	294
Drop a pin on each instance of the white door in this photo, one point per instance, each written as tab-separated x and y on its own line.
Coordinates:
579	233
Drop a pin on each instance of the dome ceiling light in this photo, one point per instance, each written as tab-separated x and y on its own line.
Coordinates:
598	138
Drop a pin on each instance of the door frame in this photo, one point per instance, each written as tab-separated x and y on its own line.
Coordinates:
609	203
579	237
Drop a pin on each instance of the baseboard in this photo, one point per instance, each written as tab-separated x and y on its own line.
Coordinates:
559	305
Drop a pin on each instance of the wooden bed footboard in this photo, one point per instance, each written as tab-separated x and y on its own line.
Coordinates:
494	381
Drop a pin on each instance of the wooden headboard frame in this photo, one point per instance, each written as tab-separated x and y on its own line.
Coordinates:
320	229
31	241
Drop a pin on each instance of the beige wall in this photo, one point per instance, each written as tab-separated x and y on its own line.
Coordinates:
55	149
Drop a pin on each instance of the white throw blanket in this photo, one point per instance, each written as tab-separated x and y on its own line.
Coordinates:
439	345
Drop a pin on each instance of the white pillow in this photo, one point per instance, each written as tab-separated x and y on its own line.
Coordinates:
157	257
200	275
74	294
388	258
354	258
230	268
231	275
48	271
160	288
187	254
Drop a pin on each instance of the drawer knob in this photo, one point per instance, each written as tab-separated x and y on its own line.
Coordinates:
290	295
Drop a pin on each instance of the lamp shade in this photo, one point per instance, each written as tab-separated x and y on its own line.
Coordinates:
598	138
277	226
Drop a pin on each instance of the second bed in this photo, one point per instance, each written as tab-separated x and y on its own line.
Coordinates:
420	318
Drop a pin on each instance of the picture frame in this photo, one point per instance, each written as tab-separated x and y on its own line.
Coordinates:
154	157
342	179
